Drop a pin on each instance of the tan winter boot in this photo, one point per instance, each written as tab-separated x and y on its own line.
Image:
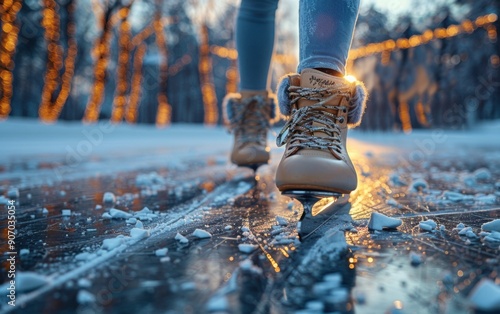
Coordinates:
321	108
249	115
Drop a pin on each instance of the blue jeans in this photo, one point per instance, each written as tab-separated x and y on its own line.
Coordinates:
325	35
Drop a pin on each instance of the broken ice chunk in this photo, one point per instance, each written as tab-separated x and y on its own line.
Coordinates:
131	221
110	244
417	185
182	239
84	283
394	203
247	248
427	225
85	297
485	295
109	198
27	281
138	234
161	252
489	199
66	212
482	174
493	225
415	259
493	237
282	221
464	230
13	193
456	197
201	234
379	222
119	214
139	224
106	216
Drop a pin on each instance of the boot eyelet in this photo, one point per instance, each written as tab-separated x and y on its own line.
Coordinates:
344	110
341	119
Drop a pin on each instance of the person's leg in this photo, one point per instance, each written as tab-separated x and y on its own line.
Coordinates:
322	104
325	32
255	41
249	112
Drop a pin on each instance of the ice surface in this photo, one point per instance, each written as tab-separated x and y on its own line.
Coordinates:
379	221
182	239
493	225
201	234
485	295
247	248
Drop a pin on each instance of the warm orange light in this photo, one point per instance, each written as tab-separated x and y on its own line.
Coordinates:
350	78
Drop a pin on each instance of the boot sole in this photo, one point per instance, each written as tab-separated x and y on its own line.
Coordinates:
312	188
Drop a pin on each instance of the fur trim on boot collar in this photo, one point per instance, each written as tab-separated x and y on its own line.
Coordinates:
232	101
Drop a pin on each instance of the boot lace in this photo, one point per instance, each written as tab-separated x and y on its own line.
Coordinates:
299	131
251	121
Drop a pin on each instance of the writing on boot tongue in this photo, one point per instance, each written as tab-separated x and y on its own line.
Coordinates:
317	81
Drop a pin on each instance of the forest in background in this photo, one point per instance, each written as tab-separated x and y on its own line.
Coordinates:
153	61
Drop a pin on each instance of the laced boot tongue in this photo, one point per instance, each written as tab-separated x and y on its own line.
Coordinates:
314	79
